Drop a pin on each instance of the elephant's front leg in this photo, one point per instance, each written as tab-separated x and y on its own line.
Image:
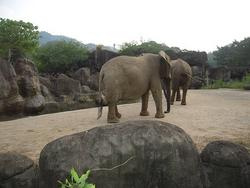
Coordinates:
112	113
118	115
157	95
167	92
144	106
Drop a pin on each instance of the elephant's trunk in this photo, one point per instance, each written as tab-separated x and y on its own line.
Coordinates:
165	82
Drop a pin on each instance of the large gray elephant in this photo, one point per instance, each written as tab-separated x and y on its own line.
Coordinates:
181	78
125	78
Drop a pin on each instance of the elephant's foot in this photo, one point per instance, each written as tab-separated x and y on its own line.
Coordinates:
144	113
178	99
158	115
118	115
113	120
183	103
167	111
172	102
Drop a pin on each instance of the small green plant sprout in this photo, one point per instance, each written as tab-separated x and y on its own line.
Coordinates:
76	181
80	182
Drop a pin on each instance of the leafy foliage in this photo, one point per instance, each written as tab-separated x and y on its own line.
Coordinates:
134	49
76	181
234	84
235	54
211	60
60	56
18	36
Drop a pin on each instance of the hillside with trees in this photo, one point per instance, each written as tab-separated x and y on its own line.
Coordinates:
45	37
60	56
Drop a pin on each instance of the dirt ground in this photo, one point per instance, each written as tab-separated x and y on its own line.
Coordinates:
209	115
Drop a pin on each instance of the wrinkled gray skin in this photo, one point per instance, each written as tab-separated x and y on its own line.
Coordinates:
126	78
181	78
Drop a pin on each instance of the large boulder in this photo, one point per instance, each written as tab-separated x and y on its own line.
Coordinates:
86	89
197	79
46	93
157	154
65	85
13	105
98	57
219	73
10	100
17	170
197	82
34	104
29	85
27	77
82	75
93	81
226	165
197	71
46	81
194	58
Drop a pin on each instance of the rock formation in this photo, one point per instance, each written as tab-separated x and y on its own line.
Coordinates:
17	170
227	165
20	88
161	155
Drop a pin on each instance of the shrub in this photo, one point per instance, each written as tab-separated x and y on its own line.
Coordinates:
76	181
60	56
234	84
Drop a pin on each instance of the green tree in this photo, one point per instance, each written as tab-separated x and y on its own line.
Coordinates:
211	60
134	49
235	54
60	56
17	38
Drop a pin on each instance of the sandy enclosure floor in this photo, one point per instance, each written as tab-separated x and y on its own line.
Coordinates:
209	115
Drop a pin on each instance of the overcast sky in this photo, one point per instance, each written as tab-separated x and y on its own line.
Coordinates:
188	24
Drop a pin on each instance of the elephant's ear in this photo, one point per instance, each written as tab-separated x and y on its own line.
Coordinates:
165	57
165	70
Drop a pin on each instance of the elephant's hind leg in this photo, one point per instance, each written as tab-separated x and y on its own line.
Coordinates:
144	107
173	96
118	115
157	95
112	113
178	95
183	101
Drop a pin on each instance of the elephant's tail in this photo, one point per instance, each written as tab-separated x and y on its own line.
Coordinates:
101	100
100	108
194	78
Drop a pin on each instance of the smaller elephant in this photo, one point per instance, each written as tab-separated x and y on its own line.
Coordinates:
181	73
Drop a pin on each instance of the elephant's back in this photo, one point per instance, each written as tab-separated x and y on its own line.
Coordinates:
120	60
180	66
123	65
123	75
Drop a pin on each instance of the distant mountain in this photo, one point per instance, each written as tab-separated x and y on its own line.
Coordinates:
45	37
